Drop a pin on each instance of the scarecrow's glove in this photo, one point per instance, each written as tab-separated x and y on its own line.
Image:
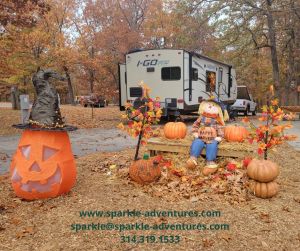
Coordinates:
195	134
219	139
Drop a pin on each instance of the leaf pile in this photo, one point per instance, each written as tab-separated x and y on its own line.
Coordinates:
177	182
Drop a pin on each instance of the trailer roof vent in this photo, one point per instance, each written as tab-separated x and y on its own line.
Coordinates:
135	50
136	92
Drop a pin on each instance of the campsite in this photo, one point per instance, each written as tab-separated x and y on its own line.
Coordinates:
149	125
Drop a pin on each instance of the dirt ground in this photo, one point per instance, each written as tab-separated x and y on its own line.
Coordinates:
79	116
255	224
8	118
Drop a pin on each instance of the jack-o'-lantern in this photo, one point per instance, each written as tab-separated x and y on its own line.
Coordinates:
43	165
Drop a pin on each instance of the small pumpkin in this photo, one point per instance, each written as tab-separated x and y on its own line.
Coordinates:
264	190
175	130
144	171
262	170
235	133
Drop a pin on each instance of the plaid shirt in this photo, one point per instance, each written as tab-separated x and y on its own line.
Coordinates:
208	122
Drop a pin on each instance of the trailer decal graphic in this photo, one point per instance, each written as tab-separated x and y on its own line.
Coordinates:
152	62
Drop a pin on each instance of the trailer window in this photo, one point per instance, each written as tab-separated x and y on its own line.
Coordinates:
170	73
210	81
194	74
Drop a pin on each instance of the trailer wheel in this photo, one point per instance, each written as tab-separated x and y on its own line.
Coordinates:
254	112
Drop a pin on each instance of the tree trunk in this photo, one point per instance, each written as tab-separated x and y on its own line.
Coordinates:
70	87
15	102
272	38
296	22
290	76
91	80
91	71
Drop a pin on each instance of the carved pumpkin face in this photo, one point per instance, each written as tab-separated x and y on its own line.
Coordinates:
43	165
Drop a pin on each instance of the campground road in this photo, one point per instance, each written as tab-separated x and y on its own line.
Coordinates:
86	141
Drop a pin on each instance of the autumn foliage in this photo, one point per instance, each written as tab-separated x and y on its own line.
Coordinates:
140	118
271	131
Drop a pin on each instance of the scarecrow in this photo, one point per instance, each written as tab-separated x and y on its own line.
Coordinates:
43	165
208	131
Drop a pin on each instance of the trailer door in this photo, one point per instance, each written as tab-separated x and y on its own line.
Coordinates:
122	86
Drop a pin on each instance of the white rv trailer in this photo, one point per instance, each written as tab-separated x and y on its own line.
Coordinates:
181	79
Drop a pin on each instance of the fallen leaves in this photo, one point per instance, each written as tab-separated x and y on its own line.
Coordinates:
286	208
297	199
226	237
207	243
78	116
264	244
15	221
25	232
81	117
2	209
265	217
178	182
91	191
11	117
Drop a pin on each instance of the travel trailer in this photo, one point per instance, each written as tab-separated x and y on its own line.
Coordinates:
181	79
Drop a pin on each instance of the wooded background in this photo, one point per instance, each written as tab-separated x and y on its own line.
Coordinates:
86	39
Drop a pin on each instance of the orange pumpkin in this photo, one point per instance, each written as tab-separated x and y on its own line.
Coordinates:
264	190
175	130
262	170
43	165
144	171
235	133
